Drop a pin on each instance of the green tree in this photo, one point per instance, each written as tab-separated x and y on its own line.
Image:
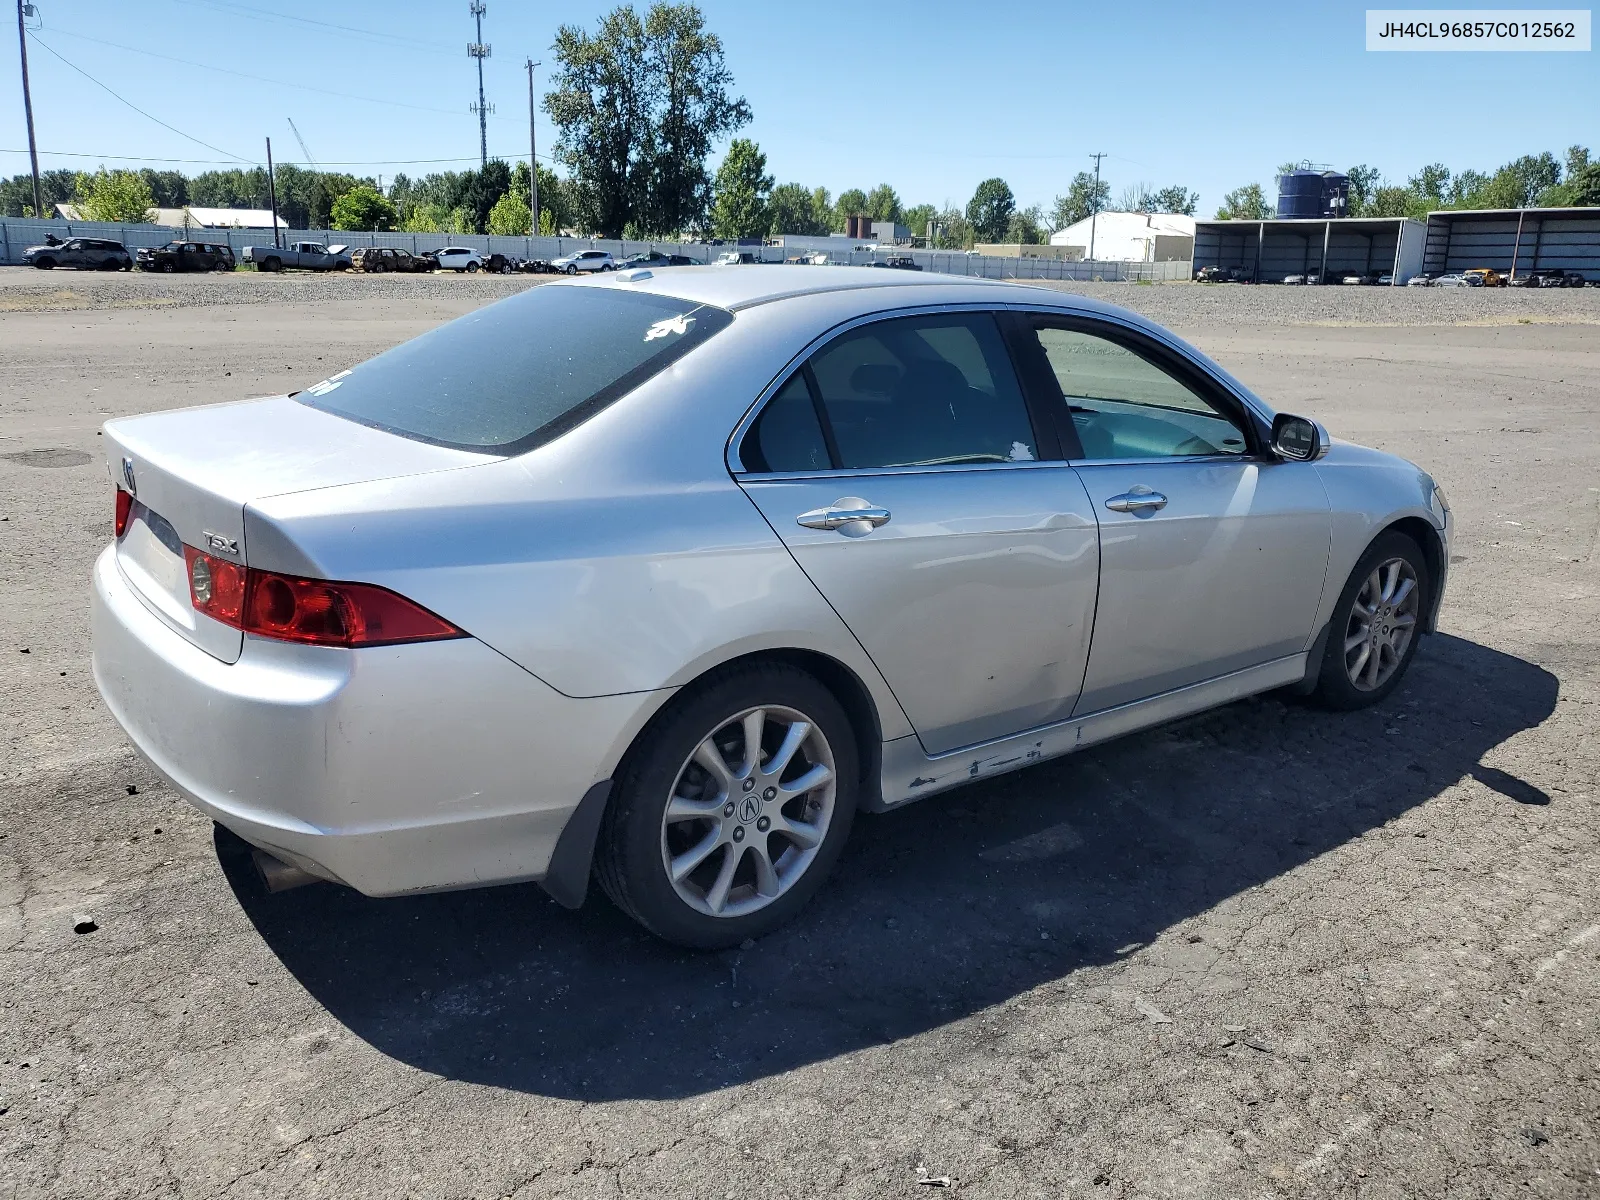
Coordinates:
1025	227
169	189
120	197
1175	199
954	232
233	188
1392	200
363	207
1432	183
1083	197
739	203
1364	181
695	108
790	210
851	203
1583	188
989	211
822	210
55	187
638	104
1528	176
480	190
883	203
916	219
510	215
1248	203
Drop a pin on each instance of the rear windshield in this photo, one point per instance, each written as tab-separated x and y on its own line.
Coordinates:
519	373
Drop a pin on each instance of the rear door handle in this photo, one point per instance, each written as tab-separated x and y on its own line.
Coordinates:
1136	499
851	516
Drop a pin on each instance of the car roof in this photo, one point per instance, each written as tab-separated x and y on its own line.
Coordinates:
771	282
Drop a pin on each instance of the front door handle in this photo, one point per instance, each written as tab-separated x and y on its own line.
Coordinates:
1137	499
851	516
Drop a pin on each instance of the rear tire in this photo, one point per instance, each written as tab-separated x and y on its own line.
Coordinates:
45	264
755	876
1376	625
272	264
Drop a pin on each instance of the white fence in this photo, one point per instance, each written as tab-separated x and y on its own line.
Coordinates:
16	235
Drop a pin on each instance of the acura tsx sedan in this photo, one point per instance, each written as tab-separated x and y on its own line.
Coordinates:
660	577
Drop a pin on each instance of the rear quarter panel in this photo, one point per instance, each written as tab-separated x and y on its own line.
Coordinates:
620	558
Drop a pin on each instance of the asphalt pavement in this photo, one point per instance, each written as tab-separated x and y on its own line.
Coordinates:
1266	952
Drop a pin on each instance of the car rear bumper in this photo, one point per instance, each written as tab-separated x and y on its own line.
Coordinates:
394	769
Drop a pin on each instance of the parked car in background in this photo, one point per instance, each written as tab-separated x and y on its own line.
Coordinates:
1360	278
347	620
655	258
1454	280
1486	276
1296	278
185	256
458	258
584	261
898	262
500	264
1386	280
381	259
1209	274
737	258
534	266
301	256
80	253
1420	281
1557	277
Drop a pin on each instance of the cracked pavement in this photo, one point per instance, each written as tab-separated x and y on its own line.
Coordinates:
1266	952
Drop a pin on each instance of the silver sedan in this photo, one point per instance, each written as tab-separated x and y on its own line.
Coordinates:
662	577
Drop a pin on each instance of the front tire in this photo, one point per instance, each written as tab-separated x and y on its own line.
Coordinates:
1376	625
732	808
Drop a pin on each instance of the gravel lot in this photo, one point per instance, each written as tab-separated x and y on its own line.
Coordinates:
1269	952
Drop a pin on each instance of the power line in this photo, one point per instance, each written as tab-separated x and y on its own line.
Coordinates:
132	105
262	14
305	87
377	162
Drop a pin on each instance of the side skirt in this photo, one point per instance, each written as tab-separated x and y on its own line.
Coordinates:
909	774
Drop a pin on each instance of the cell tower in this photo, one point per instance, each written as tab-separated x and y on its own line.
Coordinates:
481	50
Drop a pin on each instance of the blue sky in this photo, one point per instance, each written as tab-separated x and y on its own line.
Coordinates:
931	96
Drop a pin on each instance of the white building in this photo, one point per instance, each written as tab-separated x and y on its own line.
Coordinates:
1132	237
197	217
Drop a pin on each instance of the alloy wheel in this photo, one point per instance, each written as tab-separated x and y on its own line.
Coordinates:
748	810
1381	624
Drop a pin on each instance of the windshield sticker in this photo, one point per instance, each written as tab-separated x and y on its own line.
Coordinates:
327	385
671	325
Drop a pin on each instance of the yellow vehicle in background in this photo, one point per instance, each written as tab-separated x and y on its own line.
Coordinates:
1488	277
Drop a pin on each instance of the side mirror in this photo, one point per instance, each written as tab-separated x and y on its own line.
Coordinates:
1298	439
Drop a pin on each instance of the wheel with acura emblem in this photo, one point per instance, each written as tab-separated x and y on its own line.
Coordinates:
732	808
1377	624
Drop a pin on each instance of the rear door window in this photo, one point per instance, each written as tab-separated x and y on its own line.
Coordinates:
519	373
923	391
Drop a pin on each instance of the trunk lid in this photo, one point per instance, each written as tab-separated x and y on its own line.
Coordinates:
192	471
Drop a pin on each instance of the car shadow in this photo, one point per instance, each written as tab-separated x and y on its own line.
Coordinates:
937	911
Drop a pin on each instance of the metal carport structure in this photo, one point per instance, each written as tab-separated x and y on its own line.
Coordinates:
1513	241
1269	250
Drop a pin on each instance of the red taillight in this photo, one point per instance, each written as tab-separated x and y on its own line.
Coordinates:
124	508
216	586
316	612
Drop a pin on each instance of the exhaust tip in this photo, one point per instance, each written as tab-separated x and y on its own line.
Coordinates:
278	875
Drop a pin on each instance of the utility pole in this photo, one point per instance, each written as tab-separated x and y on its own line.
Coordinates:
1094	203
533	154
481	50
24	9
272	193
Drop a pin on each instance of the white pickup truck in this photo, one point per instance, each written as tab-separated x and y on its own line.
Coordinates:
306	256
